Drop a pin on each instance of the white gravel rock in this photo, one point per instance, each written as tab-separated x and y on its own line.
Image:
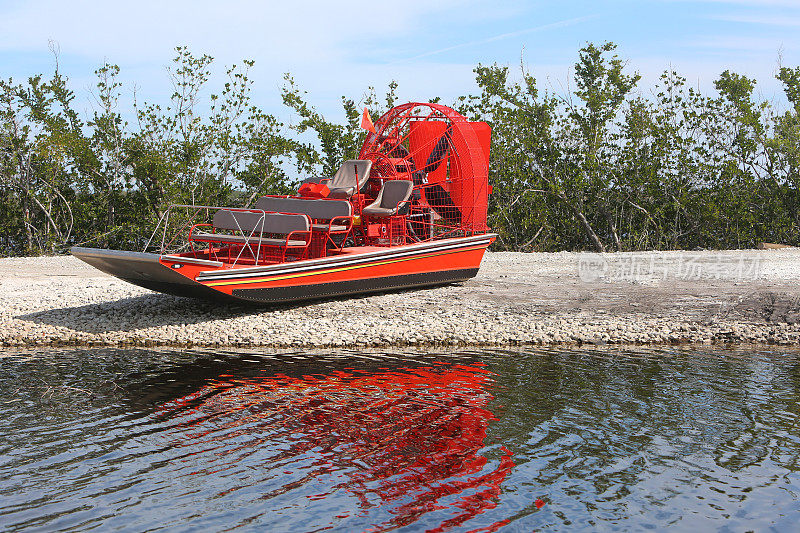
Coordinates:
565	297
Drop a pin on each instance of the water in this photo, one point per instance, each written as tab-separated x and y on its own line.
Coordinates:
607	439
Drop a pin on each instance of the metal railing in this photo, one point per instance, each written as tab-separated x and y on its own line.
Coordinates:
189	224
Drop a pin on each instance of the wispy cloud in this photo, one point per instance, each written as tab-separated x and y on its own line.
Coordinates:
335	48
500	37
753	3
301	30
752	45
790	22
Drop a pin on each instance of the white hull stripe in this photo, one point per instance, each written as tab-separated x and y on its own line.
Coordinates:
339	261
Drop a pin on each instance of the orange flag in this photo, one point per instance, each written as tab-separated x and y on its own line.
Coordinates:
366	122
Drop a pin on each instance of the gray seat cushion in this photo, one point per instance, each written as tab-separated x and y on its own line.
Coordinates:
248	222
280	242
316	209
324	227
342	192
376	211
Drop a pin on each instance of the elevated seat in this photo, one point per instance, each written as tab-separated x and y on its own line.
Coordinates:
349	179
338	213
392	197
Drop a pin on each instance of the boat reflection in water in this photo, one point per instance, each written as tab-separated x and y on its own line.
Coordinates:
398	443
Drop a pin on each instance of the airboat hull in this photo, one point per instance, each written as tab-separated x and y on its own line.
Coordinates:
145	270
360	270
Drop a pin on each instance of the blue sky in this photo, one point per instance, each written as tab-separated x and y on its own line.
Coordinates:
430	47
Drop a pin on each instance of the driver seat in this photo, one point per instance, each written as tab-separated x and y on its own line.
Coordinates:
349	179
392	198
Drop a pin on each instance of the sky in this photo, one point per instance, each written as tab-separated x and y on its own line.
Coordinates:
430	47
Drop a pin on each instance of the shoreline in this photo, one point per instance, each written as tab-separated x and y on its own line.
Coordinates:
564	298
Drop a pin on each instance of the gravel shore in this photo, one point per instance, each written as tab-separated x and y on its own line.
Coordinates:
748	296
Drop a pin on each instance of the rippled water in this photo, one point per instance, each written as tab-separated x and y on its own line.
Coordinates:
470	441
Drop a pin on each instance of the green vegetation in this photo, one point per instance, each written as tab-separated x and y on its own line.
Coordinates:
608	166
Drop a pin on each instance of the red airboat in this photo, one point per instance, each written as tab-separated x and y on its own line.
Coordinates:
409	212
